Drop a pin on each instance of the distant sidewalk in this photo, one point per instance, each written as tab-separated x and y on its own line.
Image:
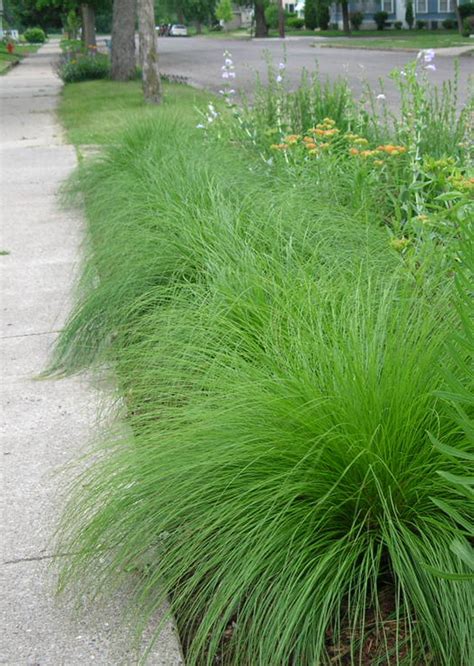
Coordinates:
44	425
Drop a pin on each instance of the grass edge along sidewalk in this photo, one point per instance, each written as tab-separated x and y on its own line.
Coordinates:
282	362
9	60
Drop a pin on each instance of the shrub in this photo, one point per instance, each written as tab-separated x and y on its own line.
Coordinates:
310	14
468	26
356	19
449	24
323	15
224	11
295	23
35	35
380	19
409	14
271	16
71	46
86	67
72	25
421	25
398	25
466	9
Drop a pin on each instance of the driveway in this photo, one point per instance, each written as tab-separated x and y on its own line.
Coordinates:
200	59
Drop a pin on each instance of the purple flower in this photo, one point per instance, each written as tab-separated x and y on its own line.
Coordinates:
428	55
279	79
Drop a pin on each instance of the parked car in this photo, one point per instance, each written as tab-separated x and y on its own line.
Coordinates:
178	30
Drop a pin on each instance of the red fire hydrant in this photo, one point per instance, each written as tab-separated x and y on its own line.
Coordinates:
10	47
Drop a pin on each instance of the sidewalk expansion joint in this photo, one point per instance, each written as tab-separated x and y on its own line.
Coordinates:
29	335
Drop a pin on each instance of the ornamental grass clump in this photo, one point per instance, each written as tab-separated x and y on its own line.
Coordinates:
282	374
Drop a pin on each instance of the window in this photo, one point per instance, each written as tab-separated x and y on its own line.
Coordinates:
387	6
446	6
422	6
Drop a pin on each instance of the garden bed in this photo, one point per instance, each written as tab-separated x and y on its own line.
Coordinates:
282	289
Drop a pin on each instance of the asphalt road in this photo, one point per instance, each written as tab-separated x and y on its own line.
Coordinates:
200	59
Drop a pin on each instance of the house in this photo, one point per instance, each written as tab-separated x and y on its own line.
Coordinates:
434	12
242	17
295	8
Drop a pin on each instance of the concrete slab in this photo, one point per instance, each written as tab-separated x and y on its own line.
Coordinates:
45	425
44	632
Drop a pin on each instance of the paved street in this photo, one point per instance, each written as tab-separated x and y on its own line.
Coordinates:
200	59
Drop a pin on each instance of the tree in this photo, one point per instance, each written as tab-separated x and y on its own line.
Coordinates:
88	24
123	65
87	11
151	79
224	12
323	14
346	24
199	11
281	20
261	27
29	13
310	14
409	15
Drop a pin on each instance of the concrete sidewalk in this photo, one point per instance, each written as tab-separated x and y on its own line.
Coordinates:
44	424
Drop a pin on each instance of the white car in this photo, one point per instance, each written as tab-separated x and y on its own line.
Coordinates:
178	31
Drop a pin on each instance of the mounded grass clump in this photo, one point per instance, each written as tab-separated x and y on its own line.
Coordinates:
283	376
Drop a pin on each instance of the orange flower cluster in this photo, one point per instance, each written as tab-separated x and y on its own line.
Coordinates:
462	184
392	150
326	128
320	137
363	153
356	139
291	139
399	244
379	151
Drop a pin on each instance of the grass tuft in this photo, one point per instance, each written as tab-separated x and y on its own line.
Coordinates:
284	378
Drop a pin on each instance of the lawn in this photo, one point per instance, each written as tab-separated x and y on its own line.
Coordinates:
20	51
285	297
387	39
400	39
95	111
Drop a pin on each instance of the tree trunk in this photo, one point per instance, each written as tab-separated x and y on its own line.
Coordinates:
281	19
123	65
458	18
149	52
261	28
198	28
180	14
88	25
346	26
